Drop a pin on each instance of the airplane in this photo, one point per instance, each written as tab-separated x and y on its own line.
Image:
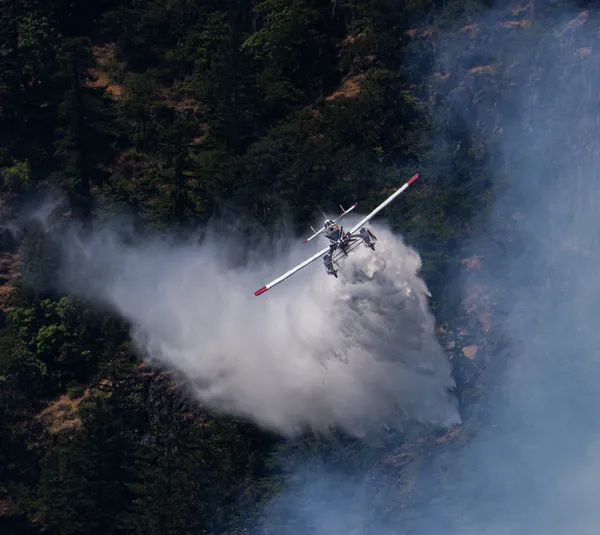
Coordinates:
341	243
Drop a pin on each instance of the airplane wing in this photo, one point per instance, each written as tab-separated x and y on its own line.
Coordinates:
383	204
291	271
314	235
336	220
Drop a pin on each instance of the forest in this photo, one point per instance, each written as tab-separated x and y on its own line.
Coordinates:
175	112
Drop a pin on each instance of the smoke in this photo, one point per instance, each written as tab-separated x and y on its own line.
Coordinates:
531	464
16	217
529	468
356	353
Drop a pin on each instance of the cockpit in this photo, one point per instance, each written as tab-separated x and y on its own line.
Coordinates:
332	230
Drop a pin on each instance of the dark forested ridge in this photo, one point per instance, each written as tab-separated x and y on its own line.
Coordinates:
173	110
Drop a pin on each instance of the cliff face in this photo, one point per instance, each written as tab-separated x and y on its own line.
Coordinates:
481	77
9	257
9	273
515	86
479	73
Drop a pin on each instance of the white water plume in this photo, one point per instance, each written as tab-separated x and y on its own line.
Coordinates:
313	353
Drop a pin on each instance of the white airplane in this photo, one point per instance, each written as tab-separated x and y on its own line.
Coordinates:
340	243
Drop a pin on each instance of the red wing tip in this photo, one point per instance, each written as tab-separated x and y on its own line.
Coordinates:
260	290
305	240
355	205
413	178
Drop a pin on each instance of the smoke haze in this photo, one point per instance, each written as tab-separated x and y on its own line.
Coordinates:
314	353
532	463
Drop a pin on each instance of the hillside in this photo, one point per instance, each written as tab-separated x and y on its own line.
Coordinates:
173	115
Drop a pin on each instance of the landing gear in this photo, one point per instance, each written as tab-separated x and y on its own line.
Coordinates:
368	237
327	260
